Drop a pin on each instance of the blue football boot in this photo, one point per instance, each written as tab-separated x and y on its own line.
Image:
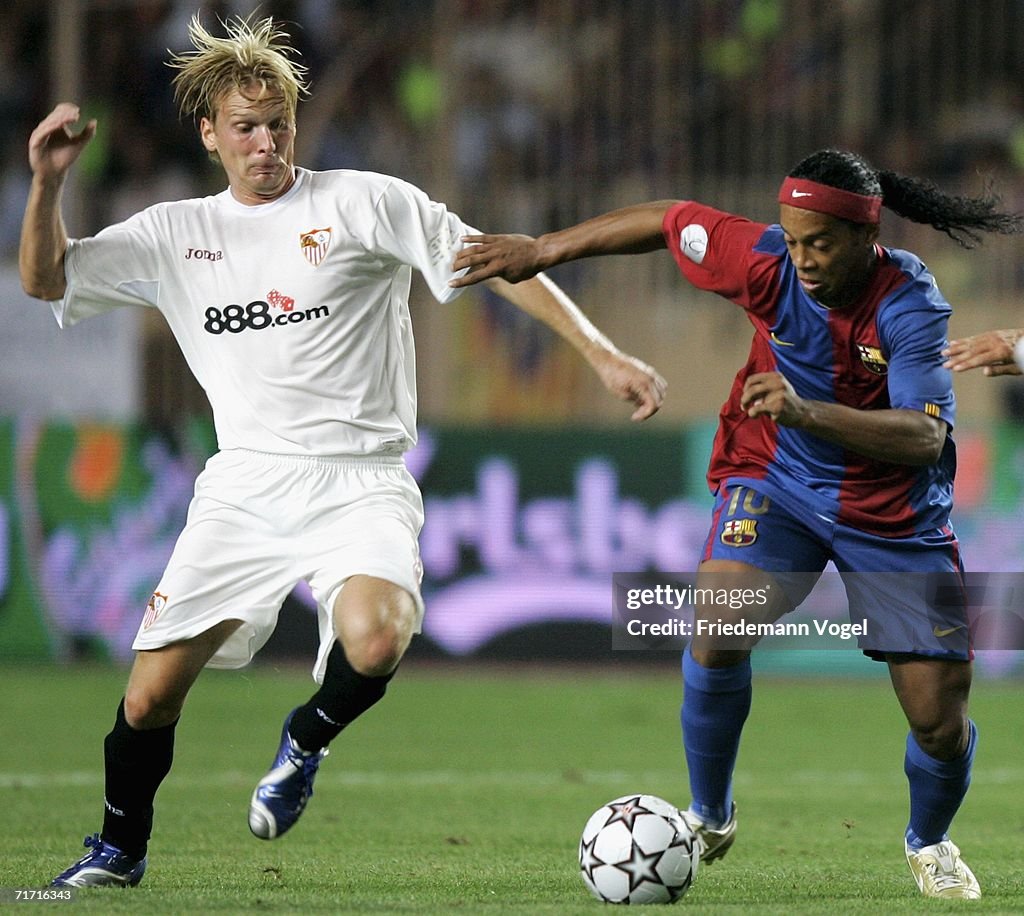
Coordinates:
280	797
103	866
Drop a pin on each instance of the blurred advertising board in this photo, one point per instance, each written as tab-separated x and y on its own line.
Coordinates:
526	530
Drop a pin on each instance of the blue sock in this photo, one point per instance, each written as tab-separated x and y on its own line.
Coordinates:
937	787
716	702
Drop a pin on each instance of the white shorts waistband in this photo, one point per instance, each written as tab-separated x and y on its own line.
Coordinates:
323	461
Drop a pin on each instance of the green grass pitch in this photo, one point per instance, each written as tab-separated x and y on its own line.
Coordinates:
466	790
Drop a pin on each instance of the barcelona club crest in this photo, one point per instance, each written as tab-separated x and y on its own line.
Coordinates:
314	244
872	359
740	532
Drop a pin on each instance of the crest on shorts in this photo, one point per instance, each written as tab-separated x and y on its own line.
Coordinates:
154	608
740	532
872	359
314	244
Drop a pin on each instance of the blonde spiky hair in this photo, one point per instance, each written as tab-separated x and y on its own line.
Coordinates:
252	52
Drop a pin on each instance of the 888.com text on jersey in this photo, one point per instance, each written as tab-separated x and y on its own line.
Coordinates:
258	315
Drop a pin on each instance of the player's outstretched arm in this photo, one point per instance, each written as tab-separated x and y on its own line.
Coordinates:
630	230
991	351
52	149
624	376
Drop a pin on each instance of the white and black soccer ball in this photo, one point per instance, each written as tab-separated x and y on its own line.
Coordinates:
637	849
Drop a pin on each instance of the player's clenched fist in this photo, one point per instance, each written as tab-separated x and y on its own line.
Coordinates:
769	394
54	145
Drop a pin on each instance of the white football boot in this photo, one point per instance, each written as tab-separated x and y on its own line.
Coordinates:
712	843
940	872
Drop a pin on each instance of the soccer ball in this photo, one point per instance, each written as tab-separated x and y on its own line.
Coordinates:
637	849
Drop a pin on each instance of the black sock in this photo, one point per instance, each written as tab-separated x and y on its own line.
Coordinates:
136	762
342	698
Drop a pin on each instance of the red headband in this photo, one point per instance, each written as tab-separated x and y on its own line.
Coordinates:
823	198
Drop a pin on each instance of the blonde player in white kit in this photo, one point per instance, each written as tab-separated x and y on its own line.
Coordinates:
288	294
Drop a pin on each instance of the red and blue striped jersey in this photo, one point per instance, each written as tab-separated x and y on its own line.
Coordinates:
881	352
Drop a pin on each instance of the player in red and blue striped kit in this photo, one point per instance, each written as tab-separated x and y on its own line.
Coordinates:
878	353
834	445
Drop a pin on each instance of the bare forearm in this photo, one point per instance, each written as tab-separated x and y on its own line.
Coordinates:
43	242
624	376
545	301
630	230
894	435
897	436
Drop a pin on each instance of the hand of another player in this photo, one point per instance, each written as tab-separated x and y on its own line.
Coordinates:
511	257
54	145
769	394
992	351
632	380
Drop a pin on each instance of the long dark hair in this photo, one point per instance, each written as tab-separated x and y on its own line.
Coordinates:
917	199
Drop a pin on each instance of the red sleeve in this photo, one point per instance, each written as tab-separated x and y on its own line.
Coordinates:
715	251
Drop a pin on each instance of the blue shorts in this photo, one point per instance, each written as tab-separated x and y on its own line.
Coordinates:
910	590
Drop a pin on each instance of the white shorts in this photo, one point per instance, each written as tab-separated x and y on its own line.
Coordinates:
259	524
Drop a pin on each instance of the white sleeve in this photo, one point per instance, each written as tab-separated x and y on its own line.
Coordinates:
1018	354
116	267
422	233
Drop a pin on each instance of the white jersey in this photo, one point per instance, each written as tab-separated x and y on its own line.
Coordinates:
293	315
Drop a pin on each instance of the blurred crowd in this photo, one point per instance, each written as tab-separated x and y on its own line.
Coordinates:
143	152
526	115
532	110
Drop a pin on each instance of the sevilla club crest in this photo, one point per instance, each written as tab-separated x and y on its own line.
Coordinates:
314	244
154	609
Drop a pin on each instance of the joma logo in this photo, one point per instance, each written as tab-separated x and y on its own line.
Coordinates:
203	254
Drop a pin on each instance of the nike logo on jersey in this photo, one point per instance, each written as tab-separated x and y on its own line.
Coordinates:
797	193
936	631
781	343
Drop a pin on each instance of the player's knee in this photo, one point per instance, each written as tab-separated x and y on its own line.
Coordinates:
376	628
377	653
376	648
943	739
145	708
